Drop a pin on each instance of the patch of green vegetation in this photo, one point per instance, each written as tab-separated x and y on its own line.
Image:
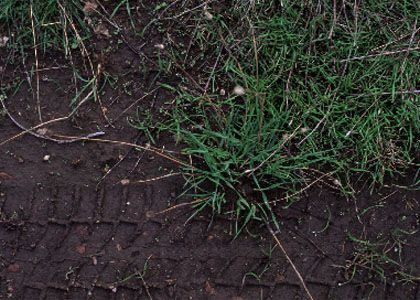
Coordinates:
376	259
50	20
322	91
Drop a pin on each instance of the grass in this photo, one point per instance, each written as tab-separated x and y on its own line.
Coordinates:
46	21
326	92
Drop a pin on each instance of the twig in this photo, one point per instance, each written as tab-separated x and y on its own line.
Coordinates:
116	165
379	54
38	100
251	171
44	136
287	90
308	293
212	72
334	19
95	75
133	104
301	190
205	3
227	48
149	148
167	8
393	41
257	75
103	109
68	52
189	76
404	64
178	206
313	130
31	130
408	92
79	39
127	181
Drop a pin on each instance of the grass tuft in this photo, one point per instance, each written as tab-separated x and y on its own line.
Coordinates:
321	91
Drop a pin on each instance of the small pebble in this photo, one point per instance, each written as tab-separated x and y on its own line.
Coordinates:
208	15
46	157
125	181
239	91
160	46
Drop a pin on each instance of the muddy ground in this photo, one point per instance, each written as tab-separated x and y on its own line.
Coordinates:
70	230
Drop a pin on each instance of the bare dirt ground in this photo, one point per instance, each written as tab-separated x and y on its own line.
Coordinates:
70	230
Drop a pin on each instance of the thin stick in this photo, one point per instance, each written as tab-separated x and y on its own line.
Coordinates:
189	10
308	293
103	109
38	100
167	8
407	92
133	104
126	181
379	54
178	206
334	19
212	71
67	49
313	130
189	76
302	190
79	39
156	151
257	75
92	137
44	136
30	130
95	75
251	171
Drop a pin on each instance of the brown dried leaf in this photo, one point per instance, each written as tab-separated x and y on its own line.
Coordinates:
125	181
101	29
14	268
209	289
4	175
90	6
42	131
3	41
279	278
81	249
82	230
170	281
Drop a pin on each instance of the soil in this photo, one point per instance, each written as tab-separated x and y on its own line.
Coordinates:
70	230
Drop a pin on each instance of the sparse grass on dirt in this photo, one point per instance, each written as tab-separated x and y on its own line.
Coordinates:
47	23
37	28
381	258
